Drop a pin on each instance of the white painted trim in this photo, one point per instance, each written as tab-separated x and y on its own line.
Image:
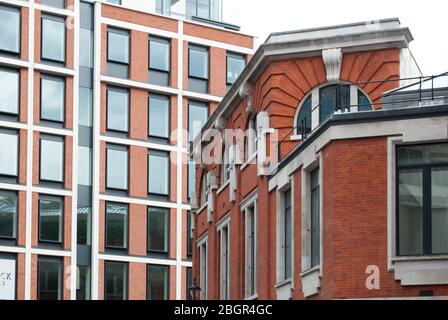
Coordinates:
17	3
50	191
217	44
139	85
51	252
13	125
54	69
249	161
55	131
14	62
58	11
135	259
12	249
139	27
201	96
223	222
96	149
13	187
30	143
202	239
144	202
139	143
249	200
223	187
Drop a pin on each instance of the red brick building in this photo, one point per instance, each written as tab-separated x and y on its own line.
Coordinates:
341	191
91	207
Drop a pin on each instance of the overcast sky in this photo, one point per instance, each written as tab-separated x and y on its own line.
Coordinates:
428	21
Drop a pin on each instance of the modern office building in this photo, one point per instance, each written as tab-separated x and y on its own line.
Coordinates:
94	100
339	187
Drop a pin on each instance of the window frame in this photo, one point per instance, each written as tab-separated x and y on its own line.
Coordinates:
317	189
235	56
49	5
122	148
127	237
55	139
167	156
126	286
62	221
196	47
16	133
60	278
123	91
196	104
44	76
121	32
162	40
8	7
159	97
57	19
426	169
17	72
148	280
12	194
166	231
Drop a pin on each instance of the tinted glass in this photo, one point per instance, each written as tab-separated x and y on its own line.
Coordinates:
51	160
332	97
158	282
116	281
363	102
50	279
158	229
198	66
116	226
52	99
304	117
84	166
423	154
191	178
439	217
54	3
117	110
50	220
53	39
235	64
117	169
197	117
84	225
158	174
315	213
85	107
9	148
86	48
10	26
83	291
288	235
118	46
9	95
159	116
159	54
8	215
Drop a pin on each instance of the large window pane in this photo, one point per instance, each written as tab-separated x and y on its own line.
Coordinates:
54	3
84	279
410	204
191	177
84	166
203	9
117	169
118	46
363	102
116	226
50	219
197	117
189	283
198	66
86	48
49	279
158	282
439	201
158	223
85	106
159	111
235	64
9	153
423	154
315	219
304	117
158	173
52	99
51	159
117	109
332	97
8	215
159	54
116	281
10	29
84	225
53	38
288	235
9	95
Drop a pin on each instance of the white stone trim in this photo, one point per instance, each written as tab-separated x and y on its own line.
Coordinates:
52	10
139	143
139	85
55	131
201	96
55	192
14	62
144	202
12	249
217	44
52	253
46	68
12	187
135	259
333	62
223	222
13	125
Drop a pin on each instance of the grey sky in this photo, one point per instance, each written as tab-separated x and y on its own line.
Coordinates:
427	20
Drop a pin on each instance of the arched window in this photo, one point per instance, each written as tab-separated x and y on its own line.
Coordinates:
204	191
332	98
304	118
363	102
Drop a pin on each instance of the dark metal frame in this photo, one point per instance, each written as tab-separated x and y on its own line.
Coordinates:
121	148
148	280
19	11
55	139
106	263
57	19
60	278
17	134
168	219
51	198
167	155
58	79
125	248
168	100
121	90
9	193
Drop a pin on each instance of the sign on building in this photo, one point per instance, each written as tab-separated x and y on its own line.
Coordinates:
7	279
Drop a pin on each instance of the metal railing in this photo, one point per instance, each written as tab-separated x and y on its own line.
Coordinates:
421	90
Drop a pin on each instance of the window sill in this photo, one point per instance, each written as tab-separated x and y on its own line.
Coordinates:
284	289
311	282
220	190
428	270
296	137
252	297
201	209
249	161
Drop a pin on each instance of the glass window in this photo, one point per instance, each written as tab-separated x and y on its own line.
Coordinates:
49	279
84	166
53	38
116	281
163	6
315	218
52	98
206	9
191	178
198	62
9	153
158	282
204	189
189	283
235	65
84	278
84	228
8	215
54	3
332	98
304	118
158	173
10	26
287	255
159	116
52	159
363	102
117	168
189	237
159	54
116	226
422	200
224	263
251	255
51	219
158	224
9	95
117	109
115	1
252	140
85	106
197	117
86	48
118	46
